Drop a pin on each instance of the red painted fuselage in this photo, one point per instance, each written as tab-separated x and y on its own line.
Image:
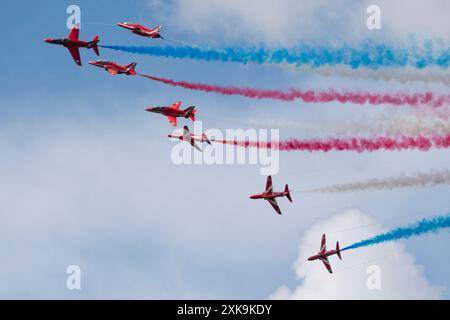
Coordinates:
323	255
115	68
269	195
173	112
141	30
69	43
168	112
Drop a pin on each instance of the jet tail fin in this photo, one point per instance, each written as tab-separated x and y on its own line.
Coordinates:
94	45
205	137
190	113
338	250
288	194
131	67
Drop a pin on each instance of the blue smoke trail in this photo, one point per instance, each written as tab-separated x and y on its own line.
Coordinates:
368	55
424	226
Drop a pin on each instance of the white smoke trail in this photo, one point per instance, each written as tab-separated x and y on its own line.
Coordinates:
431	74
183	43
385	125
416	180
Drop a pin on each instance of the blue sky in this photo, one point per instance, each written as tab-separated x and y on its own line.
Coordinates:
87	179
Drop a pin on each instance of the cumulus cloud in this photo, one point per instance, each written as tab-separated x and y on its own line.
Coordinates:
400	276
289	21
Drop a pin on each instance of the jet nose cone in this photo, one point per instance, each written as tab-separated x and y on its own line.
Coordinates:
48	40
310	259
149	109
91	62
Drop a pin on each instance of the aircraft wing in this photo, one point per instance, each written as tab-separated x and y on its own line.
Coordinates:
176	105
327	264
75	54
196	146
269	184
112	71
323	245
274	204
186	134
172	120
74	33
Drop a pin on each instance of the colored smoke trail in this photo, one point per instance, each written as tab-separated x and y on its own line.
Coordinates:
311	96
350	144
416	180
368	55
422	227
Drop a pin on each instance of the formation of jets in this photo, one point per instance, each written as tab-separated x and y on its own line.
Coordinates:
172	112
73	43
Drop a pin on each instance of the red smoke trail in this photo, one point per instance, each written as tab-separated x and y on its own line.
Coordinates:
311	96
350	144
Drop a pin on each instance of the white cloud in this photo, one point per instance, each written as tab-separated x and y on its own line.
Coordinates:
401	277
100	191
288	22
421	18
270	21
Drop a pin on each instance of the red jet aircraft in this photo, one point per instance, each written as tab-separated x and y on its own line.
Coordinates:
190	138
114	68
141	30
173	112
271	196
73	44
323	254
